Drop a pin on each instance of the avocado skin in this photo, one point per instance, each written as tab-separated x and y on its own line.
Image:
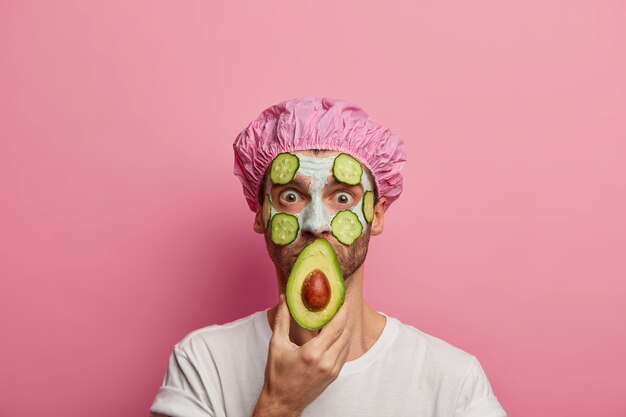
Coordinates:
319	254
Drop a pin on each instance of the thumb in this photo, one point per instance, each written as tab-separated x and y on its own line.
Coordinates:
282	321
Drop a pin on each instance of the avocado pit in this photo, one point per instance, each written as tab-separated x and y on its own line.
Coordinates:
315	291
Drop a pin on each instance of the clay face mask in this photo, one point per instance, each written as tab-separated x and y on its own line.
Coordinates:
346	225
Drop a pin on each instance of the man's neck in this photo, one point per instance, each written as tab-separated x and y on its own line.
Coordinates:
364	323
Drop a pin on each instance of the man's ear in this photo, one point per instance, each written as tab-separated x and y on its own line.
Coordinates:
258	225
378	221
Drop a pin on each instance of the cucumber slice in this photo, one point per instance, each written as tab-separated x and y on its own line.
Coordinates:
346	227
284	168
284	228
267	202
347	169
368	206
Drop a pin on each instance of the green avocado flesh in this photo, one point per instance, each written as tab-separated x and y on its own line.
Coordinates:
315	288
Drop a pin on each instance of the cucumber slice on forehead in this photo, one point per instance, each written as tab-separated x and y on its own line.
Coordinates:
346	227
347	169
284	168
284	228
368	206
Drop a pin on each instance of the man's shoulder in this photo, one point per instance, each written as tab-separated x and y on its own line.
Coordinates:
433	348
218	335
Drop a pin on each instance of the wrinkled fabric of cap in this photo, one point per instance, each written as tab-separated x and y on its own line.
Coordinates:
306	123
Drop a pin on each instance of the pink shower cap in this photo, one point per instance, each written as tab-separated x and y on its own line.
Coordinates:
307	123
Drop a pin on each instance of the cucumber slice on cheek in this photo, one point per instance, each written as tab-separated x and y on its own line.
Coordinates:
347	169
368	206
346	227
284	228
284	168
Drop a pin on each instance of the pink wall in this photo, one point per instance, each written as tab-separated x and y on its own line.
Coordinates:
122	227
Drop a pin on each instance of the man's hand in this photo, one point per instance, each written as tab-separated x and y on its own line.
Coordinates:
296	375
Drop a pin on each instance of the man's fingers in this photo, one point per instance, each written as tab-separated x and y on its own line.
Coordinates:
343	354
282	321
339	350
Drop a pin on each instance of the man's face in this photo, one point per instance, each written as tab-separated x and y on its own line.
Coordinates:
314	196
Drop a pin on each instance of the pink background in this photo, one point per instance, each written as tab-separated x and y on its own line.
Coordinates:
122	227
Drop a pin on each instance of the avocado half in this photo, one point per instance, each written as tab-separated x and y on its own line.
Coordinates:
316	270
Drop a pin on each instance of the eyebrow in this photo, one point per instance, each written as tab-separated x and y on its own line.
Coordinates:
295	181
335	183
332	184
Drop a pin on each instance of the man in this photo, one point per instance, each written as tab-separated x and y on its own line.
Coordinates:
307	167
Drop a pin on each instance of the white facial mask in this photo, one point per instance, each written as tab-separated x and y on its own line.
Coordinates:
315	216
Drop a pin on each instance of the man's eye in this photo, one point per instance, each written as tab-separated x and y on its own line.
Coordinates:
289	196
343	198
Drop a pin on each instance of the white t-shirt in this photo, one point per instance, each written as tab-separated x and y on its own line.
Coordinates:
219	371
